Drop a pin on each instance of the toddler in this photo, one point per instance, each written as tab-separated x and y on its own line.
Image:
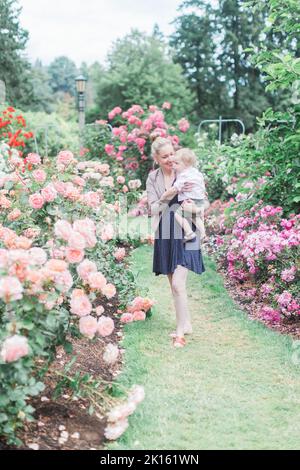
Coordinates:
195	200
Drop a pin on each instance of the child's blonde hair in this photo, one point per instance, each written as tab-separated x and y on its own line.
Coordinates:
187	156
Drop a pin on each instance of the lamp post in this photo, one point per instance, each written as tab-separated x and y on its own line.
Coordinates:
80	87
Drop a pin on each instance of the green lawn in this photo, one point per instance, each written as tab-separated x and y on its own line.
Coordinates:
234	386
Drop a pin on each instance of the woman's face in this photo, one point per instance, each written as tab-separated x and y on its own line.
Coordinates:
163	157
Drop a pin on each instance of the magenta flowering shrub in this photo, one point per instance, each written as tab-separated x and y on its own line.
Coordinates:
262	246
128	150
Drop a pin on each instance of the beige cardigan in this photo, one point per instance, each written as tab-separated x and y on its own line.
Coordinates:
155	186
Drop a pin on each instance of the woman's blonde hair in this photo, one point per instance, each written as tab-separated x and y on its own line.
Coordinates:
187	156
157	144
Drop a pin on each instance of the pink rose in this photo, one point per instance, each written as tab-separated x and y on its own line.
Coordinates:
73	255
10	289
49	193
109	291
166	105
85	268
183	125
126	318
120	179
120	254
14	348
97	281
33	158
111	353
105	326
63	229
109	149
88	326
80	305
36	201
99	310
76	241
139	315
39	176
107	233
37	256
14	215
65	157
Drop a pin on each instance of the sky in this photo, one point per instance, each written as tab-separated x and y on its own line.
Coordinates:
84	30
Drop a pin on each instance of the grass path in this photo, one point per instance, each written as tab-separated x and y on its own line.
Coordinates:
233	387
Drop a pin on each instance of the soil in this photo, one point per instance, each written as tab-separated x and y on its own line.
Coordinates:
70	414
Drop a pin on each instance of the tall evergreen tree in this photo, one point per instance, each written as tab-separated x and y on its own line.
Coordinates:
14	68
62	73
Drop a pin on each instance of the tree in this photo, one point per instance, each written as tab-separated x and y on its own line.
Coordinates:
195	49
140	70
62	73
14	68
211	42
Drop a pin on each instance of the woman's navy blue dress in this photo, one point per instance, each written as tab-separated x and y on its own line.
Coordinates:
169	248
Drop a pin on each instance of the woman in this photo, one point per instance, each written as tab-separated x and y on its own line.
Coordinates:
172	256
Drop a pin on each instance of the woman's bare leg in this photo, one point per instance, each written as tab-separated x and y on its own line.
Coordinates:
183	318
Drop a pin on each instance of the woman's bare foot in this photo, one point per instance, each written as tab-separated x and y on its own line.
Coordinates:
188	330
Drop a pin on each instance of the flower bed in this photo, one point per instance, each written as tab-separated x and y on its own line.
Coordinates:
61	264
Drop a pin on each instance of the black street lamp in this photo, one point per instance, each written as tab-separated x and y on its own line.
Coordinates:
80	87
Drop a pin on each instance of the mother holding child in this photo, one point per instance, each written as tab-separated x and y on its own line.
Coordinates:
177	190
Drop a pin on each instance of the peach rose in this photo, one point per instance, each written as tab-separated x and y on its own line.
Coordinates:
97	281
10	289
126	317
85	268
49	193
80	305
109	291
88	326
14	215
63	229
14	348
139	315
73	255
120	254
105	326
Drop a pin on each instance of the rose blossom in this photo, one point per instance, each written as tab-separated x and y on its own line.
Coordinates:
139	315
107	233
88	326
111	353
85	268
33	158
73	255
99	310
37	256
14	214
39	176
126	317
10	289
80	305
76	241
105	326
97	281
36	201
137	394
114	431
109	291
120	254
14	348
120	179
49	193
65	157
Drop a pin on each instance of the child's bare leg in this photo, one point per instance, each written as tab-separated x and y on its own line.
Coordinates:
188	232
200	226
